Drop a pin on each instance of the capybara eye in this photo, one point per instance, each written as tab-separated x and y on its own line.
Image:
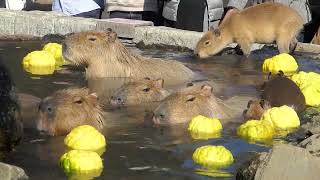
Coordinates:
207	42
191	99
49	109
189	84
147	78
78	102
146	89
92	39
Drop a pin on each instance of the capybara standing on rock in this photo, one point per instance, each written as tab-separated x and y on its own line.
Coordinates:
262	23
105	56
139	92
182	106
280	90
67	109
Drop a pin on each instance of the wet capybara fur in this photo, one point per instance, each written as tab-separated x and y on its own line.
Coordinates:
139	92
263	23
280	90
67	109
11	126
182	106
104	55
255	109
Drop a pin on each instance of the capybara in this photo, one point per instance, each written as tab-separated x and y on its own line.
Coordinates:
104	55
316	38
139	92
255	109
11	127
182	106
262	23
280	90
67	109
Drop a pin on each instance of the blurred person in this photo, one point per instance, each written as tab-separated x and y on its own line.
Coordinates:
79	8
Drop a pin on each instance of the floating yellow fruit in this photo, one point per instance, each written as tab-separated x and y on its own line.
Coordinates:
85	137
282	118
282	62
81	162
256	130
212	156
202	127
56	50
309	83
39	62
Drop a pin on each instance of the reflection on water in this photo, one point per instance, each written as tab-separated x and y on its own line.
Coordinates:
135	149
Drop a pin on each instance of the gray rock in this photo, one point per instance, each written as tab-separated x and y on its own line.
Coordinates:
312	144
10	172
65	25
283	162
288	162
312	120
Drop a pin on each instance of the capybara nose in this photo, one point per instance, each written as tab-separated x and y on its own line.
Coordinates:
157	118
117	100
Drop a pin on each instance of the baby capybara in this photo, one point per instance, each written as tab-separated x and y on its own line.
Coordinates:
262	23
183	105
255	109
103	55
139	92
280	90
67	109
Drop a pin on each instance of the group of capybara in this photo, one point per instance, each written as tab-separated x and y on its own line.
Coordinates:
103	55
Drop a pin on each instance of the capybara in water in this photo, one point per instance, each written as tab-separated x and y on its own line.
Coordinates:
182	106
255	109
316	38
139	92
262	23
67	109
280	90
105	56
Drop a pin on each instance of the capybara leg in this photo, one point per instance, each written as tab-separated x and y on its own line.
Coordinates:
293	45
245	46
283	44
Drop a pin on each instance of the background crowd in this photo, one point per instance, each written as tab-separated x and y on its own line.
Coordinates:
196	15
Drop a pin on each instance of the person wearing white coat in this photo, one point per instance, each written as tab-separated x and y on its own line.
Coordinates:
83	8
15	4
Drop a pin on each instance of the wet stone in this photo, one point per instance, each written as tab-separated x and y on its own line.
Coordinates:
10	172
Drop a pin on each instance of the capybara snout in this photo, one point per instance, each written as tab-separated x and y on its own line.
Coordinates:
67	109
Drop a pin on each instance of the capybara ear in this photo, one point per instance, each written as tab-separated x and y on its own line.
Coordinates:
281	73
158	83
216	32
249	103
93	98
112	36
206	90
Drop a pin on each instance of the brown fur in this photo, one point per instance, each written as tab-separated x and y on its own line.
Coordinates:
105	56
67	109
316	38
255	109
139	92
262	23
280	90
182	106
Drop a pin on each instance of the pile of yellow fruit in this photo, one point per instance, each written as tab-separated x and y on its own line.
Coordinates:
86	144
45	61
276	119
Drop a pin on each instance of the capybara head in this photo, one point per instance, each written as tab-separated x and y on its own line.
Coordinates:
67	109
84	47
211	43
139	92
182	106
280	90
255	109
